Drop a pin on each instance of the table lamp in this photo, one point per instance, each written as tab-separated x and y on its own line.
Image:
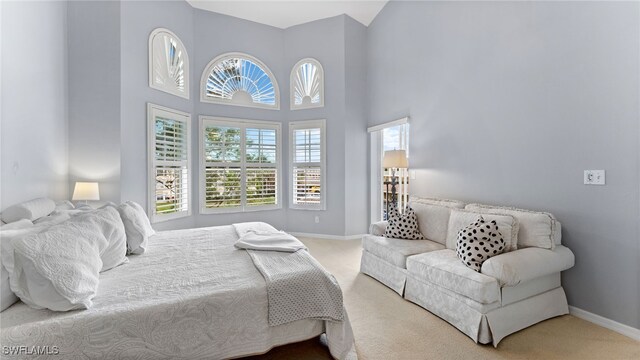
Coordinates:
86	191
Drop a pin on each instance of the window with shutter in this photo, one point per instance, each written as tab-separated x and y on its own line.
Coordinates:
169	156
240	166
307	161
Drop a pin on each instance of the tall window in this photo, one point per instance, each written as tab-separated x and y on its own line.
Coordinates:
390	136
169	156
239	79
307	162
168	63
307	85
240	165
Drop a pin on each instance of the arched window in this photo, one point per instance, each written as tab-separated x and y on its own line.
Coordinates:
239	79
168	63
307	85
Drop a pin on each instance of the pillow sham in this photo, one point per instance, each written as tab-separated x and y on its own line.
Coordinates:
403	226
137	227
31	210
479	241
59	268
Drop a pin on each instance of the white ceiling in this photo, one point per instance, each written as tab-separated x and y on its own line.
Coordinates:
284	14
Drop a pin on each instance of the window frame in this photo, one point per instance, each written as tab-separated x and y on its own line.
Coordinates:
154	110
294	71
207	71
243	124
303	125
186	67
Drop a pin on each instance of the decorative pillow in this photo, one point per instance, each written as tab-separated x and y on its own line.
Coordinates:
58	269
31	210
137	227
478	242
460	218
403	226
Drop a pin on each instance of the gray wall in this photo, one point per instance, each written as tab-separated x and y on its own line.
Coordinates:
137	20
34	101
94	95
509	103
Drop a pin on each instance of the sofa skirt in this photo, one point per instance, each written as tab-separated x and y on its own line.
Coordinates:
388	274
493	325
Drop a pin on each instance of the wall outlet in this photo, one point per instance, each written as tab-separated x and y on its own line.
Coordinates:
594	177
317	219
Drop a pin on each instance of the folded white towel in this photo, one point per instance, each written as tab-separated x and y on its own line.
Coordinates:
269	240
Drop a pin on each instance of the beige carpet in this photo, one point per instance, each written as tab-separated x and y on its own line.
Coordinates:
388	327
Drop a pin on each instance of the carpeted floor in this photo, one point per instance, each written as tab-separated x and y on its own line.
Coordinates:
388	327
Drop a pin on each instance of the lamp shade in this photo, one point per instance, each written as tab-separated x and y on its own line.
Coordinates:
86	191
395	159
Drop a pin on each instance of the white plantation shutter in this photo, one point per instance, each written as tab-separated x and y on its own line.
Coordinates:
307	154
240	166
169	134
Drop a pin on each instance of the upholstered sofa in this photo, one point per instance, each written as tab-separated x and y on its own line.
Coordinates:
513	290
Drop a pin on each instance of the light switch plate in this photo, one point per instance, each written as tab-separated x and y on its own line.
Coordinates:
594	177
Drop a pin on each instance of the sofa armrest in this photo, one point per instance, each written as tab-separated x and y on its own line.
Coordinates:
521	265
378	228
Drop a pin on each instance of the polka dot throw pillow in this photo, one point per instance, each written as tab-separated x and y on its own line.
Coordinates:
403	226
478	242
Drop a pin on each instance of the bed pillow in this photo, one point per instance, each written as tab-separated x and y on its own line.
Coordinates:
31	210
137	227
479	241
460	218
403	226
7	297
58	269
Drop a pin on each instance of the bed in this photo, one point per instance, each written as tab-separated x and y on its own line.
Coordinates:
191	295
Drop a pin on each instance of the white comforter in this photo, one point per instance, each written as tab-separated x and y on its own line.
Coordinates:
192	295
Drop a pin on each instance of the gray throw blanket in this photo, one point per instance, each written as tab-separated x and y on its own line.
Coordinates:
298	287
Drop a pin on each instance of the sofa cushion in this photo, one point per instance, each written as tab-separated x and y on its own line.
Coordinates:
507	224
453	204
478	242
513	268
433	220
403	226
537	229
443	268
395	251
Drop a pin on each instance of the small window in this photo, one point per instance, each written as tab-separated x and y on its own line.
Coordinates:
240	166
307	161
239	79
307	85
169	157
168	63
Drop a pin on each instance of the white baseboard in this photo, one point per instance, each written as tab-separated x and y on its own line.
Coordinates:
623	329
327	237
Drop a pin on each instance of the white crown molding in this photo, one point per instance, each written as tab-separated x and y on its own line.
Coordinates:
623	329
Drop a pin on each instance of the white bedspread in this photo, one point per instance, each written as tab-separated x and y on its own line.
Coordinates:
192	295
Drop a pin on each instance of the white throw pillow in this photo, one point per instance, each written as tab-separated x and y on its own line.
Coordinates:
433	219
31	210
137	227
461	218
59	268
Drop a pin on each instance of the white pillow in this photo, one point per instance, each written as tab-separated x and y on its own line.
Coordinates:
20	224
31	210
58	269
137	227
112	228
64	205
459	219
7	297
18	229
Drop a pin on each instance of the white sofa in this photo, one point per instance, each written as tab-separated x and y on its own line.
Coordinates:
513	290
